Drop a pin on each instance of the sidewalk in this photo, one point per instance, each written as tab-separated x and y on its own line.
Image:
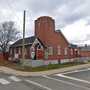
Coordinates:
49	72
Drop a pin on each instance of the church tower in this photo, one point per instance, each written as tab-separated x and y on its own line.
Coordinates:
44	28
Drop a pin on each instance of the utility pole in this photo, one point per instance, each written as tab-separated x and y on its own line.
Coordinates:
23	48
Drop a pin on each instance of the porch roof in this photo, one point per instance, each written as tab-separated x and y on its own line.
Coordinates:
28	41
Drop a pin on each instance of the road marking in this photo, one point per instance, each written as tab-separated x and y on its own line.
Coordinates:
66	82
88	68
4	82
14	78
75	71
73	78
37	84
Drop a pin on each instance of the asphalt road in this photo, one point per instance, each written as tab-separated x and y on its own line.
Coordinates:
73	80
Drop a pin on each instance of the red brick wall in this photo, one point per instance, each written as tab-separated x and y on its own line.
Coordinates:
85	53
45	31
1	56
43	27
4	56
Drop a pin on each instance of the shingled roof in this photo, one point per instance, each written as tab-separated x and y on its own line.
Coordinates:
28	41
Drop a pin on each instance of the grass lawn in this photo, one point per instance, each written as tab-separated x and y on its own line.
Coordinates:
42	68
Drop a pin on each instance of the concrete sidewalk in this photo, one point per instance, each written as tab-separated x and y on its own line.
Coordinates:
49	72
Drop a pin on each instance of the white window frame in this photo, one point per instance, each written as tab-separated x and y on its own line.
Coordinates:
19	51
71	51
78	52
66	51
38	47
37	41
59	50
11	51
50	50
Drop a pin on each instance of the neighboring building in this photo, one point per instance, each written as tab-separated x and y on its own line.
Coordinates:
47	43
84	51
74	51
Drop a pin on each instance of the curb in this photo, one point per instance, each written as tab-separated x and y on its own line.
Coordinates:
7	70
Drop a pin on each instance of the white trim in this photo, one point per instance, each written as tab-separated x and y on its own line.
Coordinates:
35	42
65	51
58	50
32	49
71	51
50	50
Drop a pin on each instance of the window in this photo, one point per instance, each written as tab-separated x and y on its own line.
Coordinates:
59	50
25	51
65	51
71	51
46	54
10	51
50	50
19	51
32	49
39	47
14	50
78	52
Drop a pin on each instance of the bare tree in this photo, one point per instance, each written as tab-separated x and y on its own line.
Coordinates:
8	33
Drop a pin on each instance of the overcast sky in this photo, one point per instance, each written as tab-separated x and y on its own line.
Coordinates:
72	17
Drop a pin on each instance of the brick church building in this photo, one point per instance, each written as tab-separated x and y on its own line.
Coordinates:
47	43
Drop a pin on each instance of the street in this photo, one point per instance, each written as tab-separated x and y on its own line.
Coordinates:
73	80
